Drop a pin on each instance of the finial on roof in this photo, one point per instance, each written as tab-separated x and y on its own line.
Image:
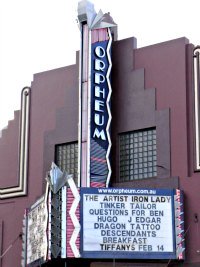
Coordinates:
87	13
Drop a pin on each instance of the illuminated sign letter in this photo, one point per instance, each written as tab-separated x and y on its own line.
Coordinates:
99	78
99	105
97	119
100	51
99	65
100	134
99	91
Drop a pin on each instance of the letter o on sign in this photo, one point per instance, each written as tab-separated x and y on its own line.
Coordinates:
100	52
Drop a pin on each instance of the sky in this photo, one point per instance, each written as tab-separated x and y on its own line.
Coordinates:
39	35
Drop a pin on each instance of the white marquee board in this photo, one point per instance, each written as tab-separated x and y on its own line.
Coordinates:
128	223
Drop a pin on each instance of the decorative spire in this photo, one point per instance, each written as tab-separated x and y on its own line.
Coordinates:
56	178
87	13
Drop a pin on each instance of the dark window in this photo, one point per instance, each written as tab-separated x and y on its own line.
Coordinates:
138	157
67	158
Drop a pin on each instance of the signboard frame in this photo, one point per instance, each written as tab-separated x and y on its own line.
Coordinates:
128	254
40	204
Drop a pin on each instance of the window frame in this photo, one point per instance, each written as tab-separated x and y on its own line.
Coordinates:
136	156
75	177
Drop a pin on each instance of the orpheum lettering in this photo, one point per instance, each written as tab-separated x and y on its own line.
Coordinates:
99	93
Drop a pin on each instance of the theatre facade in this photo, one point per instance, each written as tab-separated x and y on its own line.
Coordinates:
101	165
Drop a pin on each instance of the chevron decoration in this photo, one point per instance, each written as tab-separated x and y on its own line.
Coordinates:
73	225
179	224
56	202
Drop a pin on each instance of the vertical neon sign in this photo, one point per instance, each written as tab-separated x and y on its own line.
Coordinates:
94	96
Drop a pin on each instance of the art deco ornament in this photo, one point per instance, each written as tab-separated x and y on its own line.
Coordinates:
87	13
56	178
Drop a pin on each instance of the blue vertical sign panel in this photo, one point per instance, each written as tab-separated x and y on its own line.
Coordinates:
100	107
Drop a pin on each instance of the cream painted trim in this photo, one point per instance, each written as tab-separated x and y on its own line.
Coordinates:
197	108
108	107
88	178
21	188
80	108
64	223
